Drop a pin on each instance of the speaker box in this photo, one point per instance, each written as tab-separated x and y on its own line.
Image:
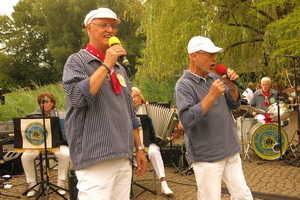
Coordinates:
170	156
6	145
13	164
72	185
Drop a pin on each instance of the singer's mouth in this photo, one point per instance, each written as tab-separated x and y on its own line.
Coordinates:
107	36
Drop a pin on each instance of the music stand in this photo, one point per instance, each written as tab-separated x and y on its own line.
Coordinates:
40	128
145	140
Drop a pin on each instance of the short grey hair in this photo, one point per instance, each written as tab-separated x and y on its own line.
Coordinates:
266	79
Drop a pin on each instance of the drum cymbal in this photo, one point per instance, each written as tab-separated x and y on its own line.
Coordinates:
251	109
293	104
288	90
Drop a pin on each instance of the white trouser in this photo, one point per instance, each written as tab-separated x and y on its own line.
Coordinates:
63	158
156	160
210	175
106	180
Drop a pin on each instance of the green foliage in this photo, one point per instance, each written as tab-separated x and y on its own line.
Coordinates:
42	34
26	46
154	91
23	101
247	30
167	32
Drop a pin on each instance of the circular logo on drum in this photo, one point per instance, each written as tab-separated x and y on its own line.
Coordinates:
34	133
265	141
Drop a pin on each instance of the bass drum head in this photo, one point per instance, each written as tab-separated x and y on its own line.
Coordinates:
265	141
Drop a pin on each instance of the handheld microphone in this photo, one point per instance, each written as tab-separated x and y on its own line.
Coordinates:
115	41
222	70
45	100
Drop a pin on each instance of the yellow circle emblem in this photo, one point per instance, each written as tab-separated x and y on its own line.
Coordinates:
122	80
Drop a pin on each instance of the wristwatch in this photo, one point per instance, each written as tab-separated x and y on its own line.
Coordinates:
140	148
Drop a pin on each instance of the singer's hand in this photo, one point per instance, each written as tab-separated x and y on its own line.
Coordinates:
231	75
142	162
217	89
113	53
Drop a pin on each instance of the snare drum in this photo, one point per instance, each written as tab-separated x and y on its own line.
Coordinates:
244	126
284	110
265	141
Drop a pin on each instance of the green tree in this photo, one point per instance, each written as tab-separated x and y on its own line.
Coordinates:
247	30
42	34
67	33
64	26
25	44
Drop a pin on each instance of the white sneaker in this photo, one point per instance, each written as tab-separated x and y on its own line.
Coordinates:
31	193
166	190
62	192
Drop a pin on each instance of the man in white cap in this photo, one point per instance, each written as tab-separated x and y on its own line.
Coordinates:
101	125
204	102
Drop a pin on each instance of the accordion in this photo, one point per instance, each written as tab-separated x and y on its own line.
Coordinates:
163	120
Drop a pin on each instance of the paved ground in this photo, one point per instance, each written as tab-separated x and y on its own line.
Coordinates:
267	179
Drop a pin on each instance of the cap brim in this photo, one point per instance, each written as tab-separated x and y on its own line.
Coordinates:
214	50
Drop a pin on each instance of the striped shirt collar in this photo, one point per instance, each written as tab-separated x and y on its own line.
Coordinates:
197	78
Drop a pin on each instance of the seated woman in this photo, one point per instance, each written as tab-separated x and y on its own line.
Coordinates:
154	150
62	155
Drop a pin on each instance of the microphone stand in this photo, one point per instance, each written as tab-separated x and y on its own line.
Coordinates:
48	184
298	114
279	131
297	101
297	93
297	104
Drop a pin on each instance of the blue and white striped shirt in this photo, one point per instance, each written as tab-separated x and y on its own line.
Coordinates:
211	137
98	127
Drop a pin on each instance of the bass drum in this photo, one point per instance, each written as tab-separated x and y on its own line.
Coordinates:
265	141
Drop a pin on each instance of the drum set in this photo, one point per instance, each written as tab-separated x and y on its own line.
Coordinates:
262	133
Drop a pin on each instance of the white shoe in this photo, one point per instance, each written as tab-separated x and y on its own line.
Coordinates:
166	190
31	193
62	192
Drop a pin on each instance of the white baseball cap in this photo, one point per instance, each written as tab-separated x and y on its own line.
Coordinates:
100	13
198	43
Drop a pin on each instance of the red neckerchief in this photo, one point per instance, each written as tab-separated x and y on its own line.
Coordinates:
114	79
266	94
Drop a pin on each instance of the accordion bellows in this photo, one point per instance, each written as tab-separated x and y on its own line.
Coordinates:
163	120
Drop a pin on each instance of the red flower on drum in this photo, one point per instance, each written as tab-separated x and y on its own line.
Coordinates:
268	118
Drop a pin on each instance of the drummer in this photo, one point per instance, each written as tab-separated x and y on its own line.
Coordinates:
264	97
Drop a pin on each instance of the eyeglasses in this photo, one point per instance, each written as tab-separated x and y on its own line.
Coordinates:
105	25
210	55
